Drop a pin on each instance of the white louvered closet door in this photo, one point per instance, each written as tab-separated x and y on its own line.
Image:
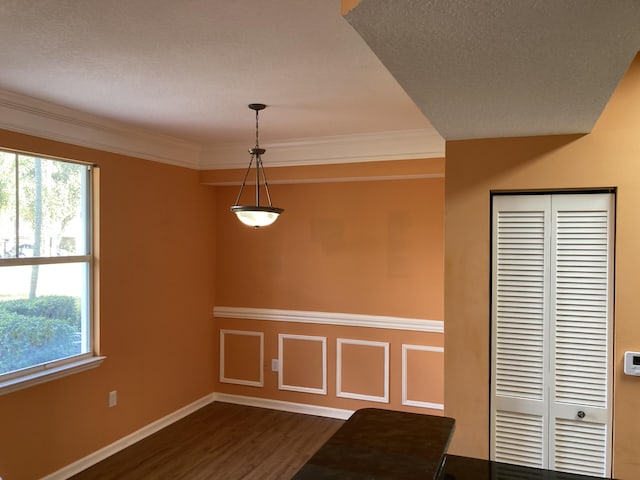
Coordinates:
551	324
521	242
581	322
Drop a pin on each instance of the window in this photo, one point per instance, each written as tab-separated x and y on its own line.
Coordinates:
46	326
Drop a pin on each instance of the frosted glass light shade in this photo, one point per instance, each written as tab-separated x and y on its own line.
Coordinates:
256	216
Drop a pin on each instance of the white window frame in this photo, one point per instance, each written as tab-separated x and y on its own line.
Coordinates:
27	377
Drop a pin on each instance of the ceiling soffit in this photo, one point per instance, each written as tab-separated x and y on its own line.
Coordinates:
502	68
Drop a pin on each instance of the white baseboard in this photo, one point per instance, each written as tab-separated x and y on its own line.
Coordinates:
284	406
115	447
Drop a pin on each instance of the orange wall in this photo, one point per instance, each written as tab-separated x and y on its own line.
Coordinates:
348	5
354	247
609	156
169	246
156	289
367	247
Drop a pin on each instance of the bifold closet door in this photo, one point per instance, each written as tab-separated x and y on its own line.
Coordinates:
520	331
552	271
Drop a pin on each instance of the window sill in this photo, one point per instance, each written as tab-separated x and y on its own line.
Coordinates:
50	374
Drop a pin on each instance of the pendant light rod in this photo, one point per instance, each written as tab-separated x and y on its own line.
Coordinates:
256	215
244	180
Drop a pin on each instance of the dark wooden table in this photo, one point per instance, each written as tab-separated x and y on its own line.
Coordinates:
383	444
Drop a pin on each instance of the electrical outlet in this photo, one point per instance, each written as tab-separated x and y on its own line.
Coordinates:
113	398
275	365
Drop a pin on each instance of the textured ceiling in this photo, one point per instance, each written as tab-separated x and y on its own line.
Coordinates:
499	68
189	69
185	71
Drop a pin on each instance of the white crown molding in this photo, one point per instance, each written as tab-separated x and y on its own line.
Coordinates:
31	116
329	318
300	181
396	145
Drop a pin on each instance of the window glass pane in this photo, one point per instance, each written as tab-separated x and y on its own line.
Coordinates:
51	208
43	314
44	293
7	203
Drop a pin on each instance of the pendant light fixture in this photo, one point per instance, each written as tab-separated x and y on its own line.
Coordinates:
256	215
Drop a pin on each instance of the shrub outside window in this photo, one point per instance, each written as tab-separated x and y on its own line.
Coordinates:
45	264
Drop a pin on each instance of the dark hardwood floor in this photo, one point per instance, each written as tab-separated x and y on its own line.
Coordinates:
232	442
221	441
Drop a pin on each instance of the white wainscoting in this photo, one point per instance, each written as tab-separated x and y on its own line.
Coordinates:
384	398
239	381
331	318
298	388
405	400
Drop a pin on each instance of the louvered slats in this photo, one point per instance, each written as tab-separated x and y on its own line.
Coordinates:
519	439
520	305
581	307
551	322
580	446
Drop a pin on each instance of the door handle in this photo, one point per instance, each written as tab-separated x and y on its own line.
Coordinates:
581	414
